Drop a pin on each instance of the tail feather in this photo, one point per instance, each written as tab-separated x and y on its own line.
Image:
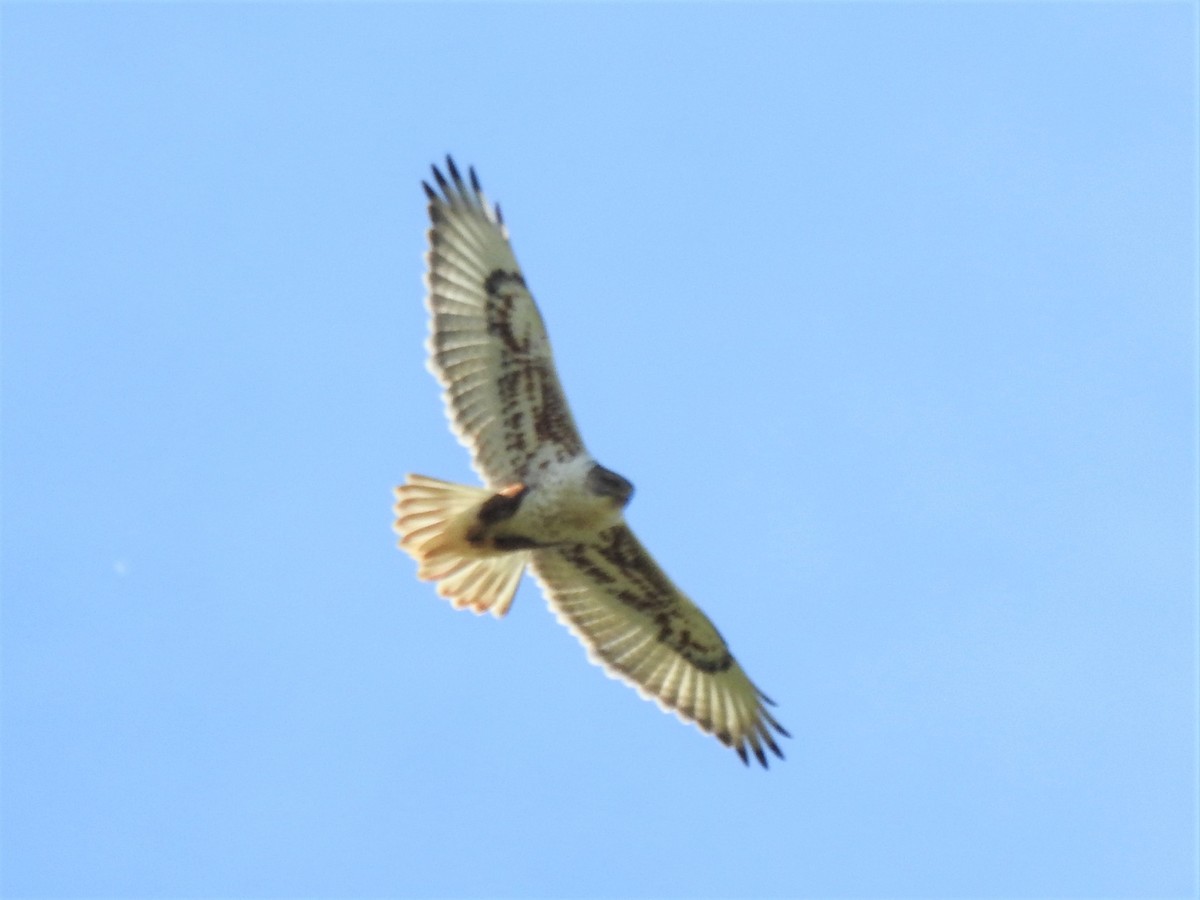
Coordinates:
432	519
485	585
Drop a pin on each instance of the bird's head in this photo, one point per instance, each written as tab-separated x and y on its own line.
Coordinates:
607	483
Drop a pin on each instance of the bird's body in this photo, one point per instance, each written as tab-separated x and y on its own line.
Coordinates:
547	504
562	506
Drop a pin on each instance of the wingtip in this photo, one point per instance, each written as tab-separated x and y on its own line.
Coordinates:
770	742
773	722
453	170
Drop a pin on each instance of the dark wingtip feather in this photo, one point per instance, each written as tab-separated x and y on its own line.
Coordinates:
440	178
499	215
429	192
774	723
453	169
474	180
741	752
770	742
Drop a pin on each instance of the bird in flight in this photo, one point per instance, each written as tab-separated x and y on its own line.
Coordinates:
546	504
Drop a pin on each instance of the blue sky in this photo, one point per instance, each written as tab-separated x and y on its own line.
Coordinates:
889	311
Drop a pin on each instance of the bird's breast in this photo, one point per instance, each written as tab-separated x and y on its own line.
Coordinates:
557	513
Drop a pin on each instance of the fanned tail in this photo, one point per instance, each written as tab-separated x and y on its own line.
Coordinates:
432	520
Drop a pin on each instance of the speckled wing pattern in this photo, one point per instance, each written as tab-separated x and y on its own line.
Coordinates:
642	629
487	344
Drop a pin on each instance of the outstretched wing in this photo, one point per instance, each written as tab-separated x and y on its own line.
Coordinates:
487	343
642	629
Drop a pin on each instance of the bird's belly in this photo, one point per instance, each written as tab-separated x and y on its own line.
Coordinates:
549	517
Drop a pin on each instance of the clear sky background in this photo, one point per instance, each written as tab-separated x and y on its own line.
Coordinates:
889	311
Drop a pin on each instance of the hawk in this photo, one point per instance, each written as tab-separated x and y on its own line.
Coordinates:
547	505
